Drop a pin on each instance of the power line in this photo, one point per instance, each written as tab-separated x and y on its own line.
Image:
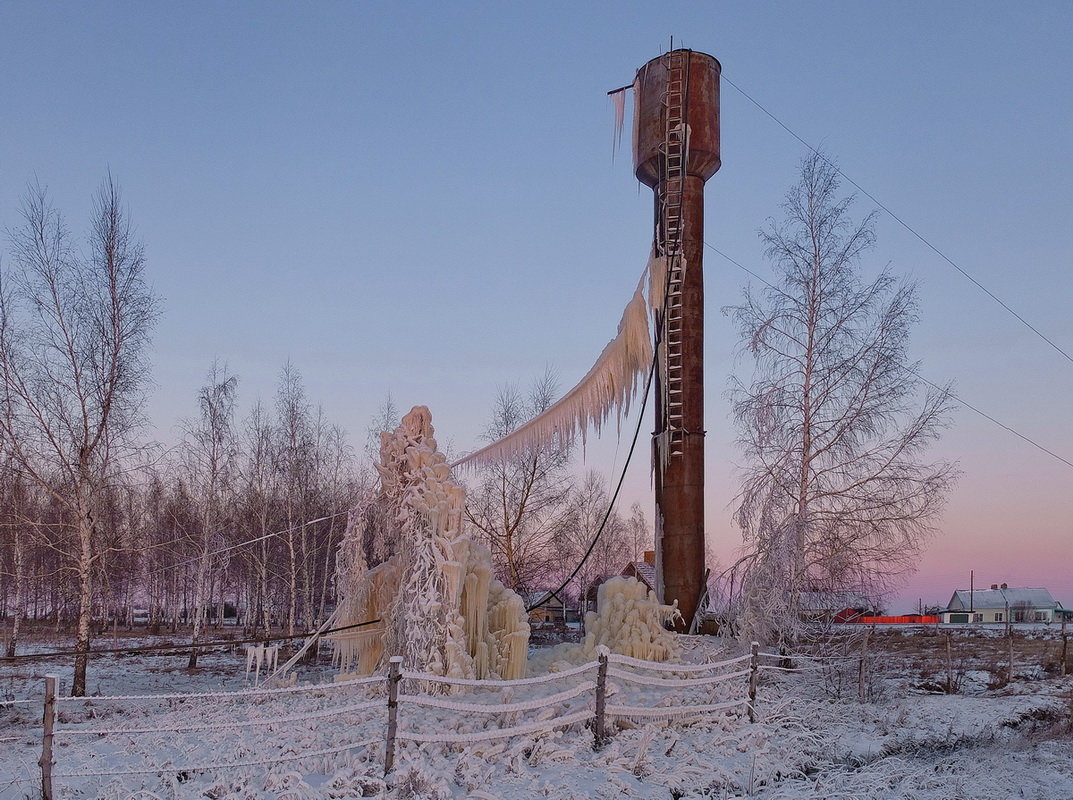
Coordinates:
659	322
229	548
961	401
902	222
1002	425
184	646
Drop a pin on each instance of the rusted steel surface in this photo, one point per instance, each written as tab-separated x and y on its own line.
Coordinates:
703	117
680	488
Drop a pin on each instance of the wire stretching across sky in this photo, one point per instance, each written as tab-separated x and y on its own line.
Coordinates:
967	405
905	225
229	548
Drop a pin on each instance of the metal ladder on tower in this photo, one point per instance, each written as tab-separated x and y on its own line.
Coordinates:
672	188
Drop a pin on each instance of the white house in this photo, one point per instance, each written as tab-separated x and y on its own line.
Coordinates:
1002	604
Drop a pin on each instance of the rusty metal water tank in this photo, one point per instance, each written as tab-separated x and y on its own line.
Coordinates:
701	114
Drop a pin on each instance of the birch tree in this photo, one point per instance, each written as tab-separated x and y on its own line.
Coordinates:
294	451
837	492
15	520
209	453
259	488
638	533
591	524
74	329
519	504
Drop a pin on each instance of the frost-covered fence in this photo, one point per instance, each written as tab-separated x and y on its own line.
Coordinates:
557	710
110	737
829	667
706	688
175	736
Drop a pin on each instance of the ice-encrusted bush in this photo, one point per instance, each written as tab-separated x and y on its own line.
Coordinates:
417	781
353	782
289	786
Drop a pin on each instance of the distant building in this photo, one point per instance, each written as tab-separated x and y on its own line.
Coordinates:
644	571
547	609
1003	604
901	619
835	607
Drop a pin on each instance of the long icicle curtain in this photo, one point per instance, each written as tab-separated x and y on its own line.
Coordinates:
609	386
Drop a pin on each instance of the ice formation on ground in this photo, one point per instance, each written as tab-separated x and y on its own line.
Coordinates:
261	655
437	599
630	621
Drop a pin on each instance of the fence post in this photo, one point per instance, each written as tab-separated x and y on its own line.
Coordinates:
754	674
1009	675
1065	644
48	722
394	675
949	663
862	669
601	698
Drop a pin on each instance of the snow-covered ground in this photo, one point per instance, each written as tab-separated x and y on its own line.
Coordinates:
1012	741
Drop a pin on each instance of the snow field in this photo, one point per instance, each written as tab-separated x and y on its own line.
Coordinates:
805	745
135	742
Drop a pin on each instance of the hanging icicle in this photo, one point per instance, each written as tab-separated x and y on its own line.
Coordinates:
609	386
657	285
618	101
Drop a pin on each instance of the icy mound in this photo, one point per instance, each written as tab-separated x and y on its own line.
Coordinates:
438	603
630	621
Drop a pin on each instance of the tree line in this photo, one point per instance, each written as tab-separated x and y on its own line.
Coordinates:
242	518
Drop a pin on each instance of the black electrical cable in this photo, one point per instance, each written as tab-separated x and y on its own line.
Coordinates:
184	646
614	497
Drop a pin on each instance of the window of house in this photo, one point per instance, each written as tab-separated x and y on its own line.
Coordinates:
1041	616
998	617
1018	616
977	617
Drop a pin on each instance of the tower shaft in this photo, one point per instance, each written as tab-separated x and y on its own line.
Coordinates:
678	441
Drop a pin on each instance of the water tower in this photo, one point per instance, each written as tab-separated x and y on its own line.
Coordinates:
676	149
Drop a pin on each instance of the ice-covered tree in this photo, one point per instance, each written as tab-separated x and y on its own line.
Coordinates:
837	492
592	529
638	533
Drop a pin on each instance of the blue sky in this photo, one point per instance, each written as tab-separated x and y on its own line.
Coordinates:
420	199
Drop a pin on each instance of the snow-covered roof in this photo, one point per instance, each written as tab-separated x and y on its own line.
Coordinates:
543	597
1000	598
644	571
